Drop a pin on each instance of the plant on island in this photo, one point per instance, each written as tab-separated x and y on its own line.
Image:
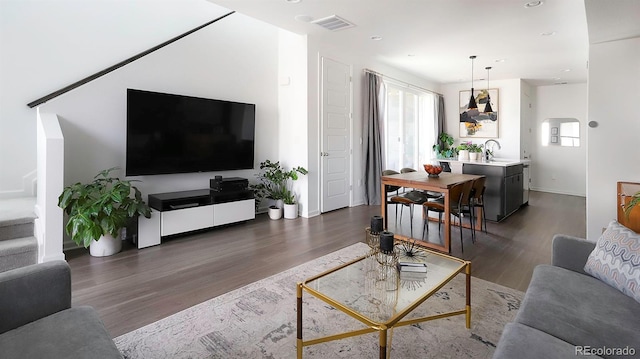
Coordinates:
103	206
443	148
475	148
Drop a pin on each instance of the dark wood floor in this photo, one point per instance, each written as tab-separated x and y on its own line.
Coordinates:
137	287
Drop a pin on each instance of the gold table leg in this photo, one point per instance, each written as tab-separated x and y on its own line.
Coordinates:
299	314
468	275
383	343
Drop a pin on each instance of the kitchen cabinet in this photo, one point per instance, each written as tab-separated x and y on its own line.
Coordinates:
504	188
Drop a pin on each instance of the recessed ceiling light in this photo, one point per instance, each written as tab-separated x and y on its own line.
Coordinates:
303	18
292	1
500	60
531	4
376	38
411	55
556	79
549	33
566	70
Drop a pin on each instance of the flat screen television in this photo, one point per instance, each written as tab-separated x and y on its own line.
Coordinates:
169	133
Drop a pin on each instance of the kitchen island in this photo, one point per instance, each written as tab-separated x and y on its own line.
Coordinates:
507	186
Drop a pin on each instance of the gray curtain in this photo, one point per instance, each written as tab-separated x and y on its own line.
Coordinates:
440	119
373	145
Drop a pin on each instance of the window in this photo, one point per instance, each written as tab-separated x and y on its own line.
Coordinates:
408	127
560	132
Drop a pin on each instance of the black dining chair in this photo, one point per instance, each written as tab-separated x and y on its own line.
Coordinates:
459	196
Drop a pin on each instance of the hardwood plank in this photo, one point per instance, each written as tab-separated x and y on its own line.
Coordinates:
137	287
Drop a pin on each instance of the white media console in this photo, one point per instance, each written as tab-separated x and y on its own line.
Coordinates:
179	212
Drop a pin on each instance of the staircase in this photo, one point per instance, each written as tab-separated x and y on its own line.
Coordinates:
18	245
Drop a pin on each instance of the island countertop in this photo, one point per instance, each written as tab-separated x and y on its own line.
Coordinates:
502	162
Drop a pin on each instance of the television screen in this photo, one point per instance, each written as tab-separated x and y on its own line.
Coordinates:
178	134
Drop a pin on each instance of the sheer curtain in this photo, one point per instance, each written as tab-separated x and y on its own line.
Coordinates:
408	127
373	145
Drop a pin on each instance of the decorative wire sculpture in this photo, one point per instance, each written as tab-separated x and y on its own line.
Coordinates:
410	251
373	241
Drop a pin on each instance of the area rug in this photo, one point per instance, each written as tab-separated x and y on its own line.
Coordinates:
259	321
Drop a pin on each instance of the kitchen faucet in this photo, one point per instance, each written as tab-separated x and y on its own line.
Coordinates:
488	153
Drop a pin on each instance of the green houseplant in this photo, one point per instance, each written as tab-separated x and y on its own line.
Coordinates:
635	200
100	208
443	148
274	182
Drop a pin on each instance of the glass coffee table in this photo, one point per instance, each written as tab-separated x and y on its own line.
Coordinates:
378	295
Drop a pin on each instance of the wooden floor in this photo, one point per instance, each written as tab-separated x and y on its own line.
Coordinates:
137	287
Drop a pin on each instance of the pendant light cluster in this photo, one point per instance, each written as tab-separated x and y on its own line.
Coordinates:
472	108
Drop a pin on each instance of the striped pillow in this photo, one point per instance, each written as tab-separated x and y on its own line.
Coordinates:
616	259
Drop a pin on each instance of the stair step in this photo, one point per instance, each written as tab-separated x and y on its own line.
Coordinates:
18	252
17	217
16	228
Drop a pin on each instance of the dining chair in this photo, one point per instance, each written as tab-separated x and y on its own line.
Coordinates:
408	199
476	201
459	195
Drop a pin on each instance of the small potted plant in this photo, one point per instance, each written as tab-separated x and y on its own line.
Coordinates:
463	151
274	184
99	210
290	205
475	151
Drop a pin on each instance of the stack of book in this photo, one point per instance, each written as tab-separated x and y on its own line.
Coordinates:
412	267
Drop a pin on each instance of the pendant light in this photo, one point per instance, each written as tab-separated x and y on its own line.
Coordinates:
487	108
472	108
472	100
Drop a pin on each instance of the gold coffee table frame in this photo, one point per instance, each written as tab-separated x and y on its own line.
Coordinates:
395	320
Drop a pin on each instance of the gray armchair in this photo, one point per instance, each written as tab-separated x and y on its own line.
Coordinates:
38	321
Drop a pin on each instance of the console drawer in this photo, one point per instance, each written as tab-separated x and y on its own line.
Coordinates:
185	220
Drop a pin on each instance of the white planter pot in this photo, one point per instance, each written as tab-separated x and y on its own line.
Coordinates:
463	155
474	156
291	211
275	213
106	245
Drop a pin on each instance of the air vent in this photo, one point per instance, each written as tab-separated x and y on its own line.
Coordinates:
333	23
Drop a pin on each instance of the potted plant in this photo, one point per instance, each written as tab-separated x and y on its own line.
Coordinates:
463	151
274	183
475	152
290	205
443	147
99	210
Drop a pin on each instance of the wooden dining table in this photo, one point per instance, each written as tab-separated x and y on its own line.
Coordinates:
421	180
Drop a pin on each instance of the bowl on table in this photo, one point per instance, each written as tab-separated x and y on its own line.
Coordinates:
433	170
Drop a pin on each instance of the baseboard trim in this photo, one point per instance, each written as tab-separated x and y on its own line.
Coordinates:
549	190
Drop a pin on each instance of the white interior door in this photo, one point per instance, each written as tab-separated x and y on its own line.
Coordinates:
335	151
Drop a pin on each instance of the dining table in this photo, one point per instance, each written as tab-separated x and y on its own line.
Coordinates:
422	181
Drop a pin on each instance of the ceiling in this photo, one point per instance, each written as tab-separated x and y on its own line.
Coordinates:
433	39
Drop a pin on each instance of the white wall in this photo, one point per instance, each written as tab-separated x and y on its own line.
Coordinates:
560	169
612	154
46	45
316	50
508	115
209	63
292	110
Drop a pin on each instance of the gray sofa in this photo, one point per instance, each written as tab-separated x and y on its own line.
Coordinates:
37	321
567	313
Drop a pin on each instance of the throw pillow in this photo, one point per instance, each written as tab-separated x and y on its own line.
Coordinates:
616	259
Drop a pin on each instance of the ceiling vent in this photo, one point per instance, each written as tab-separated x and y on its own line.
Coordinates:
333	23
